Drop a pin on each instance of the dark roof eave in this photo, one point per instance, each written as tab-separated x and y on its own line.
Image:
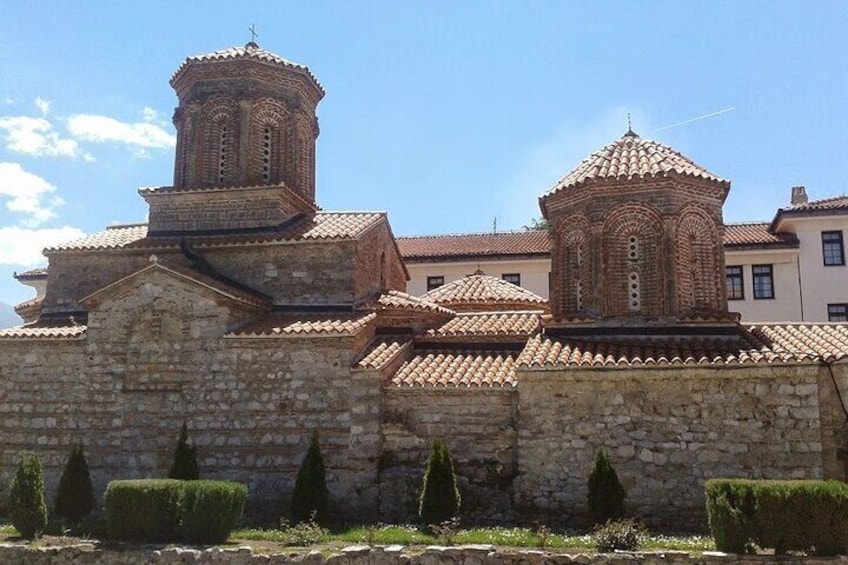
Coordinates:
783	213
456	258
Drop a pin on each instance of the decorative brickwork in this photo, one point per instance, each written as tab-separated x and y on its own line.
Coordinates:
572	273
698	263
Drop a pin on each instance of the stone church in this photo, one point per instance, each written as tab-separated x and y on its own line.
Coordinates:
245	310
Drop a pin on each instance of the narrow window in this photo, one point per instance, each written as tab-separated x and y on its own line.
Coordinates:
434	282
222	154
837	312
735	282
763	281
514	278
833	251
634	292
266	154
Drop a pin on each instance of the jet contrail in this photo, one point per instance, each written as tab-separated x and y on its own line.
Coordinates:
704	117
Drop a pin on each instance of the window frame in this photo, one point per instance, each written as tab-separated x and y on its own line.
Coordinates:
516	275
431	282
741	278
840	242
843	315
755	276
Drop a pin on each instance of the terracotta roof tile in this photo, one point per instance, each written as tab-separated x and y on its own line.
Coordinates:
113	237
396	300
756	233
835	203
483	291
530	242
305	325
251	51
775	343
29	304
383	350
495	324
39	332
32	274
629	157
457	369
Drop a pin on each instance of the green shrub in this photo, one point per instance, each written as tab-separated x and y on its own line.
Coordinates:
27	510
185	459
622	535
143	510
210	510
440	498
164	510
309	499
606	494
809	516
75	497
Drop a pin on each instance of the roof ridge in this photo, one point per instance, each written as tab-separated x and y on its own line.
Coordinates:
471	234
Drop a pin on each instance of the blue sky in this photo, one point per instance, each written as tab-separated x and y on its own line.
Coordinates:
446	114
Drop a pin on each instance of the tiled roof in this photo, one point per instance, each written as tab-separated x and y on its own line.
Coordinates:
33	332
112	237
29	304
382	350
774	343
629	157
530	242
457	369
396	300
250	51
492	324
756	233
835	203
305	325
32	274
320	227
483	290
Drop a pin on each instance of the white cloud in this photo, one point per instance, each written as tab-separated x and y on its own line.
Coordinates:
27	194
43	105
35	136
139	136
20	246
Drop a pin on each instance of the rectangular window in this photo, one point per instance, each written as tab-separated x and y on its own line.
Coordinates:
833	252
763	281
434	282
735	282
837	312
514	278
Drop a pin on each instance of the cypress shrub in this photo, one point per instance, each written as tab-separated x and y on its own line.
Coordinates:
143	510
440	498
210	510
185	459
606	493
310	488
27	510
810	516
75	497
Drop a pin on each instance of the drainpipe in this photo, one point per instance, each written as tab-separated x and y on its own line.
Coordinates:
800	287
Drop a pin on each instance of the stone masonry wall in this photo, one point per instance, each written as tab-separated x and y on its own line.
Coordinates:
480	429
250	404
666	431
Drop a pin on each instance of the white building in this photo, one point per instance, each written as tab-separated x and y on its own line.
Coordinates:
791	269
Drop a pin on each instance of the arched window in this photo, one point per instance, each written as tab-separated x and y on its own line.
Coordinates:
579	295
223	152
266	153
635	294
633	248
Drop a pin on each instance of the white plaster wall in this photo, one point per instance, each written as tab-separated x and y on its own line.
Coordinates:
821	285
786	305
534	273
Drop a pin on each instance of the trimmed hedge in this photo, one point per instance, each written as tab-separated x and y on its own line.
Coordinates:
807	516
164	510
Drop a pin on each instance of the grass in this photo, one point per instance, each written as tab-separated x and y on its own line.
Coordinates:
305	535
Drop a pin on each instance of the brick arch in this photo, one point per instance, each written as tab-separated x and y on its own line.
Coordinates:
219	144
697	262
645	224
269	113
574	266
305	156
